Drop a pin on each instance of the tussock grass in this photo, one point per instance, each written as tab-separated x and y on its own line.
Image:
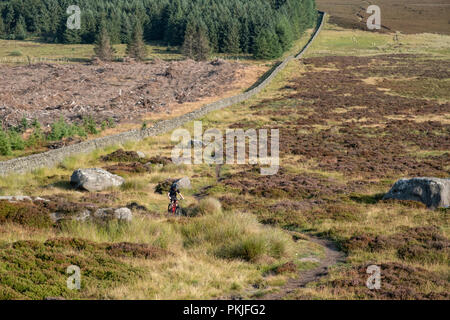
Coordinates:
173	168
209	206
236	236
140	230
195	267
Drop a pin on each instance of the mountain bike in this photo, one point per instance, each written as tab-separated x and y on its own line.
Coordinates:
174	208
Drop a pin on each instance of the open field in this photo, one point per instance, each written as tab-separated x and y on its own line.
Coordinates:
16	52
406	16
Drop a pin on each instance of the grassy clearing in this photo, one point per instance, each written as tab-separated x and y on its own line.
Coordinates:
67	53
335	40
31	51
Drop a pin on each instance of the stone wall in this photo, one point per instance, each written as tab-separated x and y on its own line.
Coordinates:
54	157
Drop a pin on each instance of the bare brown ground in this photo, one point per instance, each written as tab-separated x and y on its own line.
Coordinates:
244	78
332	257
125	92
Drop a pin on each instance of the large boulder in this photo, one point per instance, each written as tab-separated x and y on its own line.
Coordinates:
95	179
183	183
433	192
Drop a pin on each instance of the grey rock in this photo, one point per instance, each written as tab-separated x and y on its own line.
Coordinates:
141	154
433	192
95	179
183	183
78	216
41	199
106	214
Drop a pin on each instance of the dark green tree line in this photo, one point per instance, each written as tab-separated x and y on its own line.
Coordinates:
264	28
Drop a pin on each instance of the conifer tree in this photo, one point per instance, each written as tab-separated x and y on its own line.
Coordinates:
2	26
189	41
196	43
229	26
232	39
126	29
202	48
136	47
267	45
103	49
20	31
89	27
284	33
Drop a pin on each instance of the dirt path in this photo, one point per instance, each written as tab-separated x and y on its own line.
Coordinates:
332	256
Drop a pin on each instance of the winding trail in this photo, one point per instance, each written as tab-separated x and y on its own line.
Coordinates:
332	257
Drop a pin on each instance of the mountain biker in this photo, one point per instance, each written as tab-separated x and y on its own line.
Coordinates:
173	193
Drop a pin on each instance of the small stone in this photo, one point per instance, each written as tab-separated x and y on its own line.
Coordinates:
141	154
